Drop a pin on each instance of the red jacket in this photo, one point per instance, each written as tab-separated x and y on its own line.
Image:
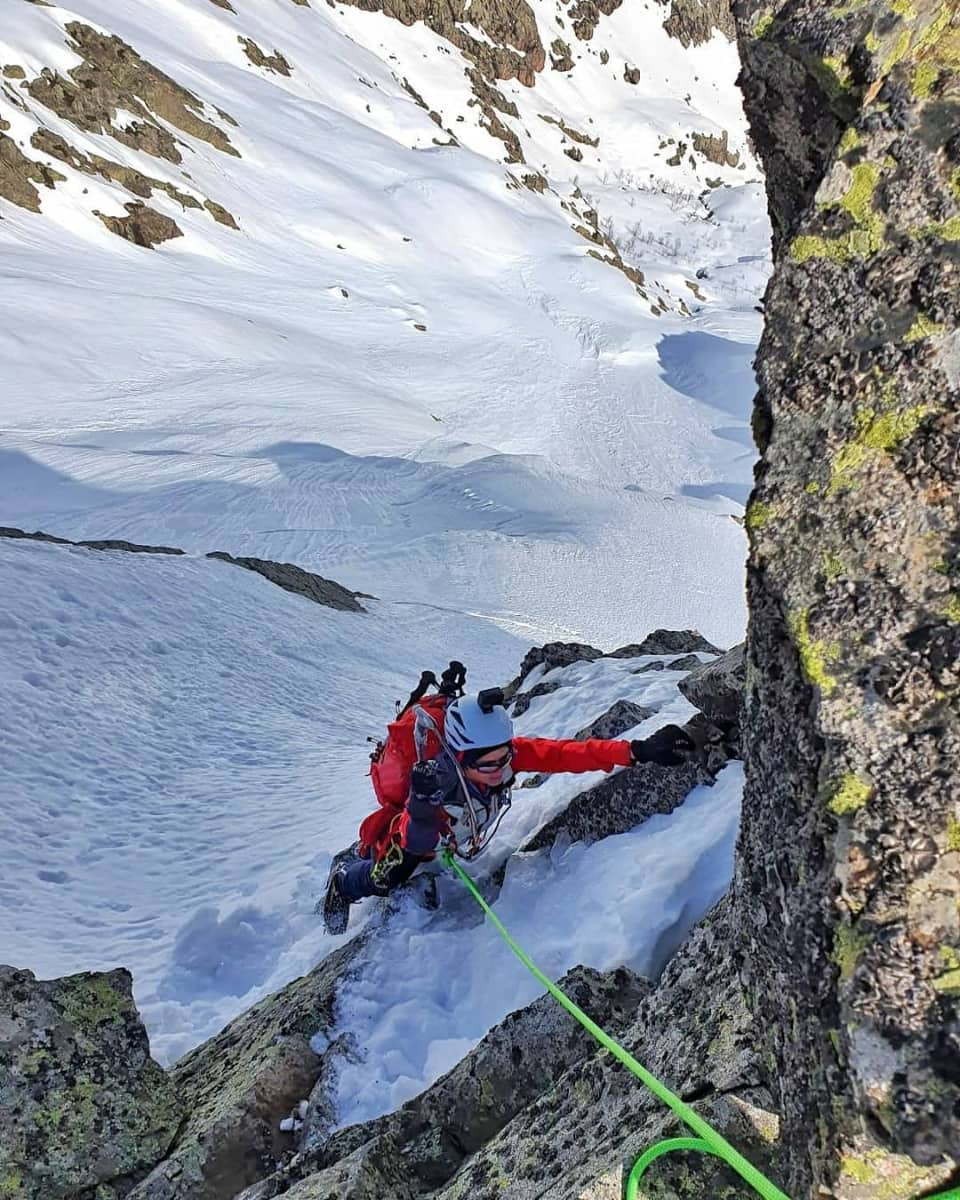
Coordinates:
391	778
551	755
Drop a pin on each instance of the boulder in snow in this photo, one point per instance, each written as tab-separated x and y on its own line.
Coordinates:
716	688
668	641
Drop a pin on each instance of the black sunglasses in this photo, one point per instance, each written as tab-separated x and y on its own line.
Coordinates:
488	768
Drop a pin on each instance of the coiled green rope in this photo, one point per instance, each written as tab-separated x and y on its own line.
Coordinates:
708	1140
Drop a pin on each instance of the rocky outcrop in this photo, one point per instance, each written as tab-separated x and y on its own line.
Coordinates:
18	174
514	1064
113	78
667	641
560	57
84	1109
586	14
510	47
285	575
849	853
715	149
274	62
237	1087
522	702
295	579
717	688
133	180
618	718
551	655
618	803
109	544
142	225
693	22
112	91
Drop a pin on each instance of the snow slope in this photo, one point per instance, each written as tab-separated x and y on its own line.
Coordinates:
557	454
223	392
184	749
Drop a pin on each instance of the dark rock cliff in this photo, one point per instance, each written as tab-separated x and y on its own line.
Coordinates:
850	853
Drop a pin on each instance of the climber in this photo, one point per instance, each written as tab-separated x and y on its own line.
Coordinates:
463	759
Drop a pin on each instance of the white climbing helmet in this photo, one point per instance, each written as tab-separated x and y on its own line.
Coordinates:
471	725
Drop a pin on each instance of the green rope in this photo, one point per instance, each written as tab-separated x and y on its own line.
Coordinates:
713	1141
708	1141
657	1151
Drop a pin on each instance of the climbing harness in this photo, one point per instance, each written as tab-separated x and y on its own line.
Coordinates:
707	1141
481	827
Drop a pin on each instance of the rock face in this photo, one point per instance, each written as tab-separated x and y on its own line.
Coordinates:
618	803
581	1136
237	1087
849	863
84	1109
517	1061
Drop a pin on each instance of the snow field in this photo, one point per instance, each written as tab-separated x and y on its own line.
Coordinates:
184	747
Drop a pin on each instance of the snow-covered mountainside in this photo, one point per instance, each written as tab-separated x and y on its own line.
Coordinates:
460	316
269	389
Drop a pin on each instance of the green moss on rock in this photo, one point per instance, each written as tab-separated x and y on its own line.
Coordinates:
848	947
850	795
814	654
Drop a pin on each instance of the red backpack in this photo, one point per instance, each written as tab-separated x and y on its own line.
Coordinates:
393	758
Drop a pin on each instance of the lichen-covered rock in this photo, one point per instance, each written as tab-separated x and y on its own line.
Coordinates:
84	1109
372	1172
515	1063
717	688
849	862
237	1087
580	1138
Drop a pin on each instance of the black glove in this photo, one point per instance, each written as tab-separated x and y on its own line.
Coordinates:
668	747
431	782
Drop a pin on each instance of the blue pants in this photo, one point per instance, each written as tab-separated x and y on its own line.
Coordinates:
357	881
